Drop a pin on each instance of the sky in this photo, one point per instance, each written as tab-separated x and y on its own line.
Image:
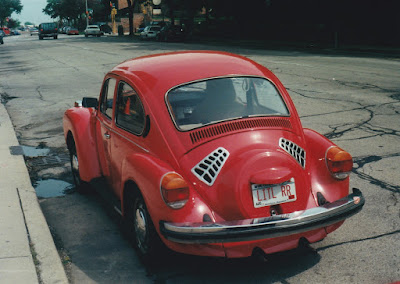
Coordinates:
32	12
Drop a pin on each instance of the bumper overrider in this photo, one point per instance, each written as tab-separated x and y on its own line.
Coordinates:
263	228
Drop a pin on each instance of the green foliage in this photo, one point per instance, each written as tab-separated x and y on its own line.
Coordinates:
13	24
76	9
7	7
64	9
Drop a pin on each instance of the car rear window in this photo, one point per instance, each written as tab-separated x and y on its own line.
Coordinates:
48	26
220	99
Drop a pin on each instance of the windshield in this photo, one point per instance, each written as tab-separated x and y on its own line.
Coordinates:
201	103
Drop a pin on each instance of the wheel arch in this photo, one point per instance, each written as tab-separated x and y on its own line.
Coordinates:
321	179
79	129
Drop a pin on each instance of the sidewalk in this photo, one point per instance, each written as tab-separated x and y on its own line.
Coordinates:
27	250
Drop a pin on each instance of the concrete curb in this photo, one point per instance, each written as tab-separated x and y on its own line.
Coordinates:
26	223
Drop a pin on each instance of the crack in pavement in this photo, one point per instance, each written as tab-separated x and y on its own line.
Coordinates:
365	125
364	160
359	240
40	94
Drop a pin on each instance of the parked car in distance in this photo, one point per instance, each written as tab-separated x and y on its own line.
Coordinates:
106	29
15	32
48	30
171	33
6	31
72	31
211	160
93	30
150	32
33	31
63	30
1	37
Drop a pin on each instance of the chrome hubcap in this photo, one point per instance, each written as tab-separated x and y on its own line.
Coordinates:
75	169
75	163
140	227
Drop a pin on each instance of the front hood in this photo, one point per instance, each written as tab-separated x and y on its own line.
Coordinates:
231	173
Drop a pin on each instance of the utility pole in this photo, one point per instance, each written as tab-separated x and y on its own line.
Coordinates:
87	15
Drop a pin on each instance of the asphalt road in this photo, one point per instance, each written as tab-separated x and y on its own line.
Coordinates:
353	99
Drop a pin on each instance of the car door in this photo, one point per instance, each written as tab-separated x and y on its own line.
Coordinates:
104	127
129	127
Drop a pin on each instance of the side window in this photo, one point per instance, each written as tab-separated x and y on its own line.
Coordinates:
129	112
108	97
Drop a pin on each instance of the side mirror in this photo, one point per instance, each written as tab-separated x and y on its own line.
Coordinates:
90	102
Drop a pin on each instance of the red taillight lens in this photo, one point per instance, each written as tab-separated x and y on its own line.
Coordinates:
174	190
339	162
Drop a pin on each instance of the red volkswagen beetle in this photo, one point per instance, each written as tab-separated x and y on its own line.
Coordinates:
204	152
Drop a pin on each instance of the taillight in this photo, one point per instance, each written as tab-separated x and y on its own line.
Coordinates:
339	162
174	190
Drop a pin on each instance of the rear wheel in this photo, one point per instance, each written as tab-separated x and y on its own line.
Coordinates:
144	235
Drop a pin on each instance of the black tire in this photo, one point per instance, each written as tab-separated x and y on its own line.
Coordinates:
80	185
86	35
142	232
40	38
55	37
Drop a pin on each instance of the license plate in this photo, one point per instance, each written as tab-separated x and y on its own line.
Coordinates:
266	195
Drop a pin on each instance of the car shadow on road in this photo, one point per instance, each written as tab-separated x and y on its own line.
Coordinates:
180	268
173	267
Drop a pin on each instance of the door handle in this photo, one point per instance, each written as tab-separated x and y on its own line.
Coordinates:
107	135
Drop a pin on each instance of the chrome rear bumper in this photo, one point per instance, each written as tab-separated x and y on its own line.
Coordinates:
263	228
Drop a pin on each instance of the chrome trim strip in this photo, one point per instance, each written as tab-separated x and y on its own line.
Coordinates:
113	131
263	228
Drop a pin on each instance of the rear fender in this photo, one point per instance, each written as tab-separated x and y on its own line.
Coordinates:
146	172
79	122
321	179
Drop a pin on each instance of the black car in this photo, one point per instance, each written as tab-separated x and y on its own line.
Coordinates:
171	33
48	30
106	29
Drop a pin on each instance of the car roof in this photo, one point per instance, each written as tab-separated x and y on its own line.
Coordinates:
161	72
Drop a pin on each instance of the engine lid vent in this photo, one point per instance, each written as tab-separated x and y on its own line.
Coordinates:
222	128
294	150
208	169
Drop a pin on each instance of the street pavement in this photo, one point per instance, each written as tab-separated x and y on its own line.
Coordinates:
27	250
354	101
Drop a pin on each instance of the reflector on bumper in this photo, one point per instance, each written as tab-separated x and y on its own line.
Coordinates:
263	228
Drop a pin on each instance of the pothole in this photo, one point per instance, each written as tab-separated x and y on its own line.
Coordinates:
29	151
52	188
5	98
42	159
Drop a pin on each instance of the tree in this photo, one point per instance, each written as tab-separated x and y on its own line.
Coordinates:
76	9
7	7
12	23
